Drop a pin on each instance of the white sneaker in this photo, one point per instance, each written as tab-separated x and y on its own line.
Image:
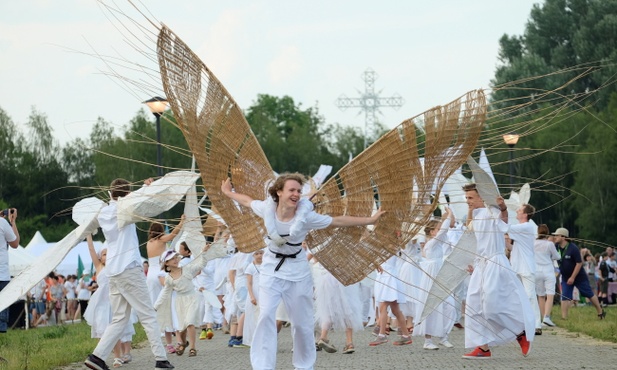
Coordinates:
430	345
547	321
446	343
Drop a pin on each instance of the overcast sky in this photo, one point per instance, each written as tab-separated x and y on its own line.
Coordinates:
428	52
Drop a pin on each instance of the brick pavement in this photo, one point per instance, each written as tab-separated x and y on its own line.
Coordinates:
555	349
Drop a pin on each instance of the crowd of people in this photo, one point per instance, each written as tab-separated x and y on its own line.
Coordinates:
508	295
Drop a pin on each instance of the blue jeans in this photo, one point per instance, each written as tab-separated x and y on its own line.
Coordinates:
4	315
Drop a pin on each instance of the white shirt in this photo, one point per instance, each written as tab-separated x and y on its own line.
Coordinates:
545	254
293	269
6	236
123	245
522	256
489	230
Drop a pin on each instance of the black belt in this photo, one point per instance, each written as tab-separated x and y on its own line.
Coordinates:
283	257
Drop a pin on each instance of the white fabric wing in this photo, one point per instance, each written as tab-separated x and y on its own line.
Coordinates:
158	197
192	230
484	183
452	273
38	270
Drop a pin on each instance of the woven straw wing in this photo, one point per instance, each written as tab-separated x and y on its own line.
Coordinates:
218	135
391	172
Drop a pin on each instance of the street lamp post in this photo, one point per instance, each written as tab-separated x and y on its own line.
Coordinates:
158	106
511	139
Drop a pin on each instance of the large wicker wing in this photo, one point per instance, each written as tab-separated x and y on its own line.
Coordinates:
218	135
392	173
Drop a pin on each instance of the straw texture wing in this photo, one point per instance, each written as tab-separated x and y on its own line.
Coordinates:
218	135
392	173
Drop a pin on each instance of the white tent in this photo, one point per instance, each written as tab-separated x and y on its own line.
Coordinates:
37	239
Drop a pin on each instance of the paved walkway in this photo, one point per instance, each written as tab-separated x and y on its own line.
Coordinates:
555	349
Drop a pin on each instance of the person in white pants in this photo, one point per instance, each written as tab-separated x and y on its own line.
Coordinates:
285	271
127	284
522	258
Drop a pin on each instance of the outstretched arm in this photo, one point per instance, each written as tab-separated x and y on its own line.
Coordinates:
242	199
344	221
95	258
169	237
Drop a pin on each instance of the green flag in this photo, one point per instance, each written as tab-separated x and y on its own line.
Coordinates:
80	267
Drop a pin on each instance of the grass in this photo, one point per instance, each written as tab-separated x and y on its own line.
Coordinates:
584	319
49	347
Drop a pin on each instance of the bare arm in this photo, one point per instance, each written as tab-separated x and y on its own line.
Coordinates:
249	284
95	258
242	199
13	220
231	276
345	221
169	237
503	209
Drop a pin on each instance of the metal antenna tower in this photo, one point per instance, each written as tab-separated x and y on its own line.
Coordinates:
369	102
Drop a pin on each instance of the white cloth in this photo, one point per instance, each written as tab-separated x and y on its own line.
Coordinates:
545	253
122	243
411	275
522	255
497	307
388	286
152	278
71	288
337	306
83	294
293	269
7	235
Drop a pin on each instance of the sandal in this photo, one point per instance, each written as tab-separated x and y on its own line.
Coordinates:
349	348
117	362
602	315
181	347
192	352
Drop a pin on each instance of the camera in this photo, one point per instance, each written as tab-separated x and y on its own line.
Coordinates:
5	212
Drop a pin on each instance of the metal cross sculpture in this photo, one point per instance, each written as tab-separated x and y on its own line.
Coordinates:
369	102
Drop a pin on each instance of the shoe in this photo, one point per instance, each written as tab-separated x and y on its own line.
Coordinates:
326	345
203	334
349	348
446	343
430	346
95	363
478	353
241	345
163	365
117	362
524	343
538	331
548	321
602	315
379	340
317	348
375	330
127	358
209	334
170	349
459	325
234	342
192	352
402	340
181	347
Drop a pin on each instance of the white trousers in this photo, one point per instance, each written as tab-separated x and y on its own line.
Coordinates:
128	290
529	283
298	299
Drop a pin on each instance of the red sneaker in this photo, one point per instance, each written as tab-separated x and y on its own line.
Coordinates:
478	353
524	343
459	325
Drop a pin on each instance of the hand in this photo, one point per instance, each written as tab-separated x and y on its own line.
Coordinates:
570	280
206	247
254	301
470	269
379	269
501	204
12	215
377	214
148	181
226	186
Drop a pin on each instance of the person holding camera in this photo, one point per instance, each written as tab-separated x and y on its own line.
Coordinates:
9	236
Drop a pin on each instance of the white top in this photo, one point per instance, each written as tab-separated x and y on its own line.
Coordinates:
489	230
522	256
238	263
293	269
6	236
122	244
83	293
545	254
71	287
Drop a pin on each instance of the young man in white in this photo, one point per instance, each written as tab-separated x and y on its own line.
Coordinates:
498	310
285	271
9	237
522	257
127	284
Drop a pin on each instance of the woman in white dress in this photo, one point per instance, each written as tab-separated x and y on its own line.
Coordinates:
157	244
98	313
441	320
252	300
188	300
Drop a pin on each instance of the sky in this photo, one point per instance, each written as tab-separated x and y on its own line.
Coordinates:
428	52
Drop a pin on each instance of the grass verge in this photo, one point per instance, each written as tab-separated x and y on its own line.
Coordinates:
49	347
584	319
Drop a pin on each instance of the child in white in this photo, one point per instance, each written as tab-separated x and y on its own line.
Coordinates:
251	312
